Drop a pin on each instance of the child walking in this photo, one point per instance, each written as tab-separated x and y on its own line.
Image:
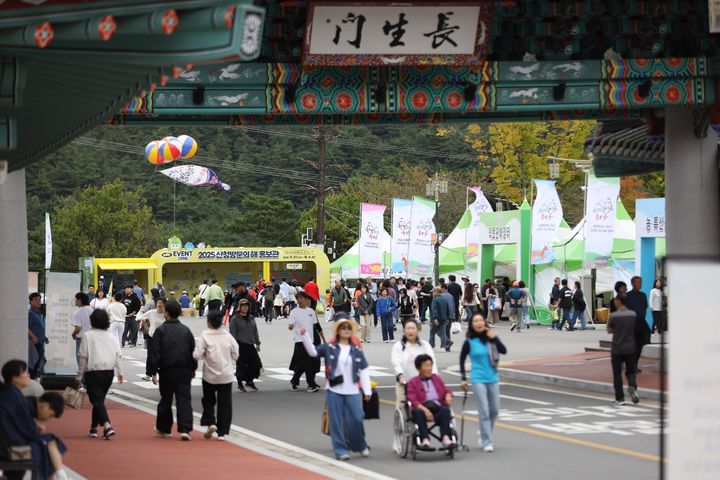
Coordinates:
220	351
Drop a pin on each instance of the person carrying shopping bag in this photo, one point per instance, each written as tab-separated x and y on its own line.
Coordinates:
345	367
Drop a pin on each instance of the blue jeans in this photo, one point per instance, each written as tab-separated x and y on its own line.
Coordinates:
346	416
487	396
388	324
438	330
469	312
577	315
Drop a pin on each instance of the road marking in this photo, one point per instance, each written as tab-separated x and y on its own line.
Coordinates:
561	438
536	402
572	394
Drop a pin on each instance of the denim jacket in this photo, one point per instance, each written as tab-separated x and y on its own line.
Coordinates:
331	351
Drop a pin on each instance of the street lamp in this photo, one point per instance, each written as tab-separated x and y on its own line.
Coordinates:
433	188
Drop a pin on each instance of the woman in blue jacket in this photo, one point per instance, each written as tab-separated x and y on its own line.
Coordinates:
345	367
385	309
484	348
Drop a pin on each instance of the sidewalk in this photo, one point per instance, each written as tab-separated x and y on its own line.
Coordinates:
586	371
135	452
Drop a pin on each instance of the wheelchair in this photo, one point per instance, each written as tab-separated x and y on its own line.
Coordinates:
407	439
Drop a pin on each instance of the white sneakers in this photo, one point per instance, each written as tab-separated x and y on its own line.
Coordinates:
366	452
163	434
488	449
185	437
211	432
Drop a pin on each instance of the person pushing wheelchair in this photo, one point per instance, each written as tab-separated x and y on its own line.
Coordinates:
430	400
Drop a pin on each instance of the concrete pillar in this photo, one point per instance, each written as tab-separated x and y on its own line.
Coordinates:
13	268
691	188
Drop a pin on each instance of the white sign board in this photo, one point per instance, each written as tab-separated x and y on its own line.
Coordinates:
694	436
60	290
381	34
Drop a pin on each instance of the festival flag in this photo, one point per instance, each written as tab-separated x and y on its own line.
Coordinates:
600	213
472	234
401	212
421	254
371	226
48	242
547	215
195	176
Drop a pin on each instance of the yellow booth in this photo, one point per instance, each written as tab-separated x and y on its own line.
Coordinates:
181	269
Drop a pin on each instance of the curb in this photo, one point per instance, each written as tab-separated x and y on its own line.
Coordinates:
271	447
572	383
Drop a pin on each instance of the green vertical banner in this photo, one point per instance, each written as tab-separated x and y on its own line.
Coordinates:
525	247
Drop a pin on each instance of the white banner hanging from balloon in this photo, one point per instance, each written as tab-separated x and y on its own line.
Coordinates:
472	234
547	215
371	227
421	254
401	212
195	176
600	215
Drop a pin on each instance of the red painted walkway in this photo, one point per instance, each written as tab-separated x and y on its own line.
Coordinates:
588	366
135	452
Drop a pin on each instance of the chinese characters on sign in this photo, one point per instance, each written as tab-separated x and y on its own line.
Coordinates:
499	234
377	34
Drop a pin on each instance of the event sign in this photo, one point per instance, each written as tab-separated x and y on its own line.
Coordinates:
650	217
498	228
547	215
600	213
401	211
60	290
349	33
48	242
421	254
472	234
371	227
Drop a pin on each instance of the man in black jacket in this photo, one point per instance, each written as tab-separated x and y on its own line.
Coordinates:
425	297
133	306
456	291
565	305
172	350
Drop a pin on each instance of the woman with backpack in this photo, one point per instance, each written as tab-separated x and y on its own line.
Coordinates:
484	348
406	306
494	304
268	295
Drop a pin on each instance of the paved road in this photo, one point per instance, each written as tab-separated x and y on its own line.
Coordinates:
541	432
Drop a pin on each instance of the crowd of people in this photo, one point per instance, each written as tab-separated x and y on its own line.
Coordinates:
229	349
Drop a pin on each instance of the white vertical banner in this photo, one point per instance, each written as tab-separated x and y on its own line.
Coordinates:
48	242
546	218
401	212
60	290
472	233
371	227
600	215
421	255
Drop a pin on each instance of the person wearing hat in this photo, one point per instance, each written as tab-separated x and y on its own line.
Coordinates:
244	330
345	367
516	297
184	300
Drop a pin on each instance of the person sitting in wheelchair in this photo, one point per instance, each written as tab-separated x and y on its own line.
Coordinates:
430	400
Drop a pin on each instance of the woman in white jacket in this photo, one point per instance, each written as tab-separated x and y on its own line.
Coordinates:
403	356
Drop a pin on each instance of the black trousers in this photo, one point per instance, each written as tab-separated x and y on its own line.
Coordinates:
214	304
130	333
97	384
303	363
201	307
442	417
248	365
149	357
617	363
220	393
175	382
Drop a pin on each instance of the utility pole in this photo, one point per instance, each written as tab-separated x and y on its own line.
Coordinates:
322	137
320	226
